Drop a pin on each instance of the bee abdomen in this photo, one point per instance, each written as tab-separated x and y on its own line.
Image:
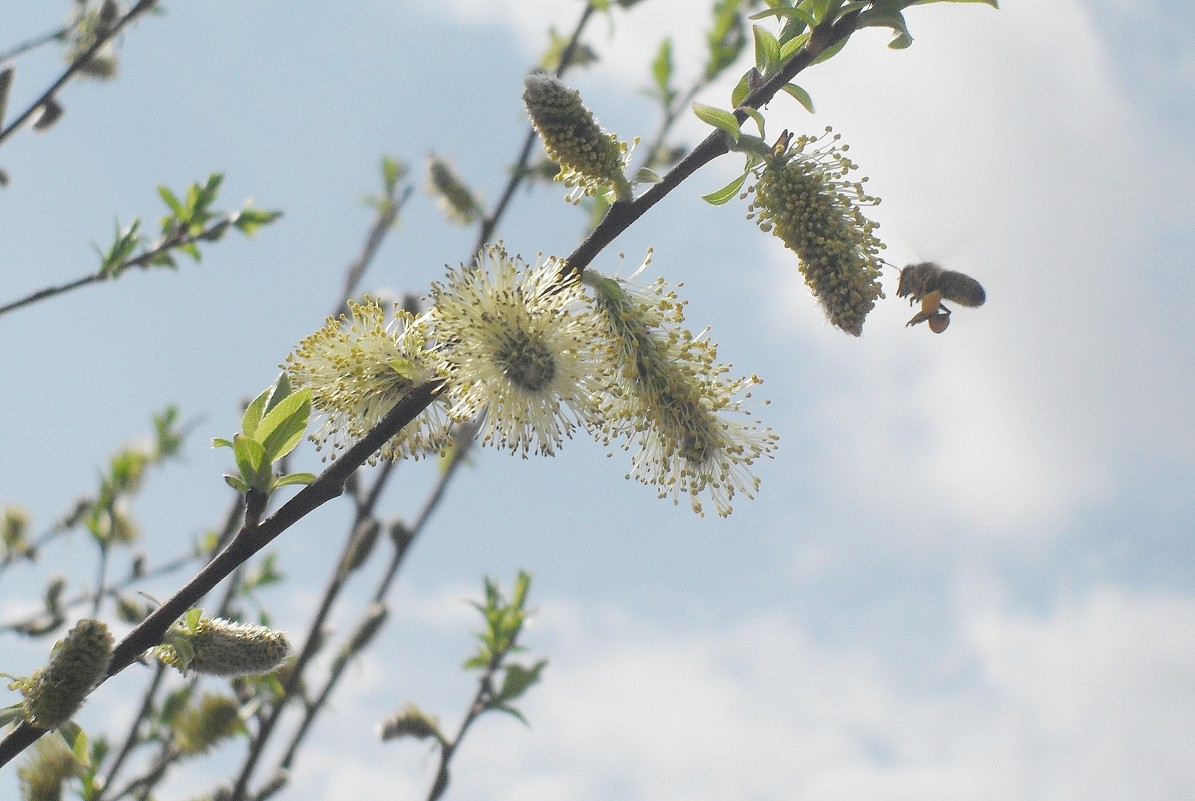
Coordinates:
962	289
919	280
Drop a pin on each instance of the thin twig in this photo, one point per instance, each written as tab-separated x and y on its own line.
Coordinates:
622	215
38	41
489	223
247	542
132	740
143	261
383	224
76	65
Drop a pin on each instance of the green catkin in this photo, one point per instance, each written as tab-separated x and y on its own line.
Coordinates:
55	692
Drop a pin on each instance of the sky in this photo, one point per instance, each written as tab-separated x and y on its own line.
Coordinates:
968	572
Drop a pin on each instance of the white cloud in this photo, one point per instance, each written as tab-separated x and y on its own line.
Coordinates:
1090	701
1046	401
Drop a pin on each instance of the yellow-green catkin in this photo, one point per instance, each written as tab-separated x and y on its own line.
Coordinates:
50	765
589	158
410	722
219	647
54	693
456	199
214	719
804	198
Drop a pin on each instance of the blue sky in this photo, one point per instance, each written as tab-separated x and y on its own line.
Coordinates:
968	572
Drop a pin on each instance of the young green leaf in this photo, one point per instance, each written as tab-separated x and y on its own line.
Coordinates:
661	73
719	118
293	479
249	220
251	461
169	199
992	3
518	680
800	95
767	50
724	195
284	425
253	414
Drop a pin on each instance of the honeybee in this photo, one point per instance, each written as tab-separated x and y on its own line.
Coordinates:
930	284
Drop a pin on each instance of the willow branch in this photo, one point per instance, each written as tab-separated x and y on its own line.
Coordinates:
143	261
76	65
247	542
621	216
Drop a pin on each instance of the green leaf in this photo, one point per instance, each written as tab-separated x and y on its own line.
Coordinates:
510	710
767	50
646	176
249	220
992	3
791	46
220	442
251	461
741	90
724	195
192	617
284	425
254	412
169	199
787	14
476	662
755	115
661	72
719	118
236	483
888	18
291	479
800	95
830	51
518	680
281	391
207	195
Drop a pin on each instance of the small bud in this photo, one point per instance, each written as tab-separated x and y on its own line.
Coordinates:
368	628
55	692
51	112
14	528
410	722
5	84
400	535
365	536
456	199
220	647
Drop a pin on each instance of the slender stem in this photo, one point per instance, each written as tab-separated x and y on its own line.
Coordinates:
143	261
37	41
101	579
131	741
101	40
50	292
489	223
248	541
622	215
383	224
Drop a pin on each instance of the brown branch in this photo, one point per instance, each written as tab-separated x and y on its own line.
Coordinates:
76	65
622	215
248	541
